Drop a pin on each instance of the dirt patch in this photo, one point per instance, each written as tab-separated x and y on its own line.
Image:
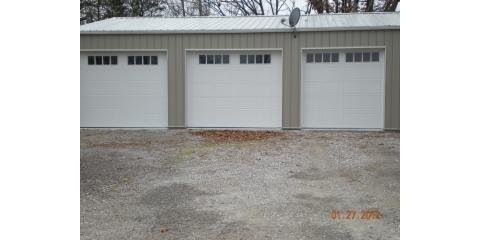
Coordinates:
237	135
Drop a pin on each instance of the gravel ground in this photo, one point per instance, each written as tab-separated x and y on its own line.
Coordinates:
171	184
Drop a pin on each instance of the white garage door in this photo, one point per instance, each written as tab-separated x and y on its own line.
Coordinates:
234	89
343	88
123	89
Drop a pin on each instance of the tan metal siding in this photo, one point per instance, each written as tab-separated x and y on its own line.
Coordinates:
395	80
177	43
388	77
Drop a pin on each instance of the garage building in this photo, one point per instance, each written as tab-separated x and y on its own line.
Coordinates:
335	71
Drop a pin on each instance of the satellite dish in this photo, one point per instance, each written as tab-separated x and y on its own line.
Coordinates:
294	17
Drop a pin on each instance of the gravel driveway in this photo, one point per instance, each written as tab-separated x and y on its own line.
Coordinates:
172	184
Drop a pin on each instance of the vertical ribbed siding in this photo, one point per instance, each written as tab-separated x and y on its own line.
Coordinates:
395	80
177	43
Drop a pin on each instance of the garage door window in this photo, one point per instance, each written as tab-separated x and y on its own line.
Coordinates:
102	60
358	57
154	60
259	59
131	60
213	59
98	60
138	60
243	59
335	57
322	57
310	58
349	57
326	57
375	56
202	59
218	59
251	59
210	59
146	60
362	57
255	59
106	60
366	56
267	59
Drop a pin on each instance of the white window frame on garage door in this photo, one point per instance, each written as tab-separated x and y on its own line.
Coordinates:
135	50
303	50
229	50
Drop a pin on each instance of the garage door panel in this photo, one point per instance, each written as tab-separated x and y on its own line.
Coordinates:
114	118
325	76
330	116
362	101
136	74
225	103
123	88
325	87
203	90
123	95
146	88
149	103
127	104
259	116
239	95
366	120
258	103
342	94
102	101
224	90
364	87
197	109
98	76
256	89
100	88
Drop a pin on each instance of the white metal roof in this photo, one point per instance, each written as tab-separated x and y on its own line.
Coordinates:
317	22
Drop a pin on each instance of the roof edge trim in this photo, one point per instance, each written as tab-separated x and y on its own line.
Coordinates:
329	29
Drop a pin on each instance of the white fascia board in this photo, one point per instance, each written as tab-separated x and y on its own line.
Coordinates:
240	31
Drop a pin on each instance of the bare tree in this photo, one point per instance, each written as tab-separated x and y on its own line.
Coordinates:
348	6
183	7
390	5
144	7
200	9
355	6
94	10
276	6
251	7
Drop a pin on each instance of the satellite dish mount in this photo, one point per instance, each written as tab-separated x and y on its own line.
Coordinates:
292	20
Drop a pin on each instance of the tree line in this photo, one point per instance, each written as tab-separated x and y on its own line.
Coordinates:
95	10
